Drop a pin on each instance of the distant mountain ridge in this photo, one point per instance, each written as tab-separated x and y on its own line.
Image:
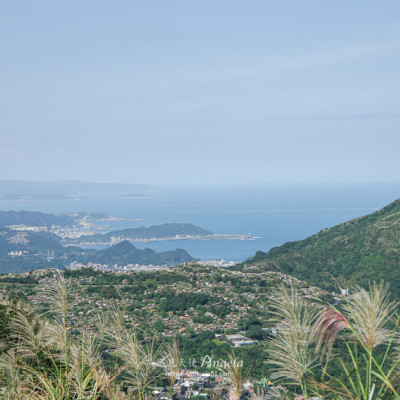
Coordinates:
11	190
21	251
23	248
33	218
125	253
67	187
359	251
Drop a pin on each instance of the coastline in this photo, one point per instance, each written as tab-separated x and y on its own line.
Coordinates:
170	238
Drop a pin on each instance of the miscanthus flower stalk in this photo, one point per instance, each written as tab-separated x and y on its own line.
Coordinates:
366	326
290	352
237	376
41	360
369	313
171	360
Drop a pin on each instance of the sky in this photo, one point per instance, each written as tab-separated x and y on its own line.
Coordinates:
227	91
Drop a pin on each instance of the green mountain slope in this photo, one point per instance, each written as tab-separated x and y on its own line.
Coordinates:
356	252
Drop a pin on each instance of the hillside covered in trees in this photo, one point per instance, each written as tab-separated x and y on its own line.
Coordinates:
359	251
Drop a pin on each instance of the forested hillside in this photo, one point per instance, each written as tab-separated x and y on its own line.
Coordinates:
356	252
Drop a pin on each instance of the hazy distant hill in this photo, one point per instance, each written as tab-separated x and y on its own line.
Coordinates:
67	187
21	251
355	252
125	253
28	190
31	242
169	230
8	218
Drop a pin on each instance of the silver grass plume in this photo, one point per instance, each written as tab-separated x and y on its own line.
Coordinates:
290	349
369	313
236	374
140	363
171	358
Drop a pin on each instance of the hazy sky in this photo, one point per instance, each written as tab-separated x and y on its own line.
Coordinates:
200	91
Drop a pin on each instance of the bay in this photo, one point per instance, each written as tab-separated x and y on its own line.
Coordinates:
274	213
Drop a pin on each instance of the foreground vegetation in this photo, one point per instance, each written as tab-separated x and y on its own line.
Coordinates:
348	351
41	359
192	303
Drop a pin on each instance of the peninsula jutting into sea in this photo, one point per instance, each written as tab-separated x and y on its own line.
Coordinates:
38	240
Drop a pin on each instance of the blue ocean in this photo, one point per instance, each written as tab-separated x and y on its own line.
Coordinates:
275	213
